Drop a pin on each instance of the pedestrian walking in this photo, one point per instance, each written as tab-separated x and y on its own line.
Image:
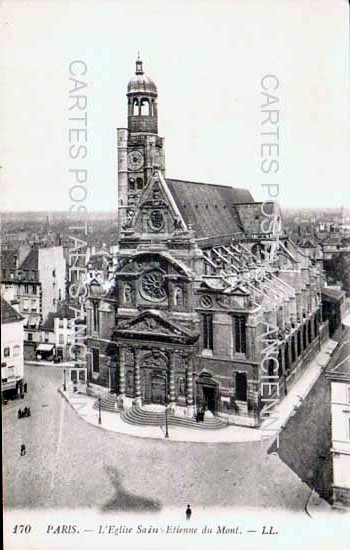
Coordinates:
25	387
197	415
188	512
28	413
23	449
19	413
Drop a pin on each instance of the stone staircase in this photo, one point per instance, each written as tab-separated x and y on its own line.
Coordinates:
107	403
141	417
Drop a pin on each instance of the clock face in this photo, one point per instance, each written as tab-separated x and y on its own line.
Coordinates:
152	286
135	160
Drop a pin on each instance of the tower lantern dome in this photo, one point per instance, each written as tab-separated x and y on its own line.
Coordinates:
142	102
141	83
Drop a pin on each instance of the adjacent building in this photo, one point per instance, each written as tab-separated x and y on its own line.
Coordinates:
339	380
58	333
12	336
38	284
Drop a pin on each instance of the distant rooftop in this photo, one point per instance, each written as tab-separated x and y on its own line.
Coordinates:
8	313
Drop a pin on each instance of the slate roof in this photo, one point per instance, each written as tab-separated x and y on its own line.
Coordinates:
31	261
209	208
9	259
64	312
48	324
341	369
8	313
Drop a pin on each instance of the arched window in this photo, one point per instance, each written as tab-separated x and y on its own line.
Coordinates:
280	370
145	107
286	358
139	182
299	343
293	349
135	106
304	337
316	326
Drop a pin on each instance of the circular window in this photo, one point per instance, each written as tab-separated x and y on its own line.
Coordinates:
156	220
206	301
152	286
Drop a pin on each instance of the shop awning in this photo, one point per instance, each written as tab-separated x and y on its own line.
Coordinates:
45	347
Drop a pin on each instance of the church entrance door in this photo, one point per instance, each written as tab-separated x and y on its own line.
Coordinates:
158	389
209	393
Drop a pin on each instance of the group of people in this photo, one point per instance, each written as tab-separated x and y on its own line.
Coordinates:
25	412
200	414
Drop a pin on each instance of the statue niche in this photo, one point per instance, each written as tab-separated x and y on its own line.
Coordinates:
179	300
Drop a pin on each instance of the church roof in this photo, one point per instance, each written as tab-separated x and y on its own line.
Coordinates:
210	209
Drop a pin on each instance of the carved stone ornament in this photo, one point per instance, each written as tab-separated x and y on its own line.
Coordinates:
223	301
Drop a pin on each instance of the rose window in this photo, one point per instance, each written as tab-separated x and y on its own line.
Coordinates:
152	286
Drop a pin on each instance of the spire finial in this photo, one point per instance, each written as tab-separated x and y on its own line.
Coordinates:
139	69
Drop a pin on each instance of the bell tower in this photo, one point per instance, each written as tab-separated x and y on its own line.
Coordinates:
140	149
142	103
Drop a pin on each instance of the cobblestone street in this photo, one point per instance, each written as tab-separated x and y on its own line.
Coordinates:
70	463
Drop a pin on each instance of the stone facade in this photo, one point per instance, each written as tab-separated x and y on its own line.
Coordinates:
210	304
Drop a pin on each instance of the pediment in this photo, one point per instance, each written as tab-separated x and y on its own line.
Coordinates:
151	324
238	291
156	210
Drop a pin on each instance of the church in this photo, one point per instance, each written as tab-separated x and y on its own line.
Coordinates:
206	282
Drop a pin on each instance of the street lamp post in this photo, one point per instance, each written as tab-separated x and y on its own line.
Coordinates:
166	407
99	411
64	380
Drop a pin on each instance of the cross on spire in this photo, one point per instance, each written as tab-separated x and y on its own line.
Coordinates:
139	69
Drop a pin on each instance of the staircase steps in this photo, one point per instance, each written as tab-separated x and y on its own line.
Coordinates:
107	403
141	417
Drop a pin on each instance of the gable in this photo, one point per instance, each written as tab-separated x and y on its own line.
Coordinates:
152	325
156	211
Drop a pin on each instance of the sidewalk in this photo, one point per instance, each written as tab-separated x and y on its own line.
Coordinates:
83	406
300	390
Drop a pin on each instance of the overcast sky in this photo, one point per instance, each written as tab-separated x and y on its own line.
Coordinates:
208	60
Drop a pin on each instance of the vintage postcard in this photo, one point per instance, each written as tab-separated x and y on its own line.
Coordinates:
175	274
